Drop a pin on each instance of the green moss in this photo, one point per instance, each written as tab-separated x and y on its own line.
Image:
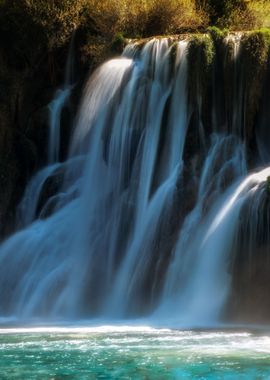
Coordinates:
208	52
201	46
118	43
218	37
255	47
201	55
217	34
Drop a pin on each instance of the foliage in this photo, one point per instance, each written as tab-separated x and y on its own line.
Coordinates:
172	16
222	12
52	22
118	43
143	17
237	14
48	24
58	18
261	11
217	34
41	26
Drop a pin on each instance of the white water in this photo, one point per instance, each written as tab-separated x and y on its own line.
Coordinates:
127	352
55	108
197	284
28	208
119	242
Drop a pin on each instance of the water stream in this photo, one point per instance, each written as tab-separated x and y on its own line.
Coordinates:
130	225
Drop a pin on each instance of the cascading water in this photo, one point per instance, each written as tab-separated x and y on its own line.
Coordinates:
200	252
136	226
27	210
56	107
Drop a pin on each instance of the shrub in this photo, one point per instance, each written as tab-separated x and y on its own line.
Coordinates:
261	11
58	18
237	14
118	43
143	17
50	23
172	16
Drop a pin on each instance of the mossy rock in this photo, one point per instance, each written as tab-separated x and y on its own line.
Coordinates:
118	43
254	57
201	54
201	58
217	34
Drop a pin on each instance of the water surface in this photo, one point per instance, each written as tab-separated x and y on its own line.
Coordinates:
132	353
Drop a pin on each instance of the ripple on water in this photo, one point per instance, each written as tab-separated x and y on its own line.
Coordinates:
132	353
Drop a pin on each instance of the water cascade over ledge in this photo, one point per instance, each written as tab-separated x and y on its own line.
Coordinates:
149	214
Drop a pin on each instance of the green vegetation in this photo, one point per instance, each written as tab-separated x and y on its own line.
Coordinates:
237	14
201	56
217	34
50	23
55	20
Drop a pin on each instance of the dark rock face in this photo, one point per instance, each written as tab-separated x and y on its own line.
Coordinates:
24	127
25	92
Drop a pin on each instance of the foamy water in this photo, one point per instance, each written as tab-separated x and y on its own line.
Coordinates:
132	352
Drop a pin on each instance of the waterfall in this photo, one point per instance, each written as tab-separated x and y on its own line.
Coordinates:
199	260
143	216
56	107
28	208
